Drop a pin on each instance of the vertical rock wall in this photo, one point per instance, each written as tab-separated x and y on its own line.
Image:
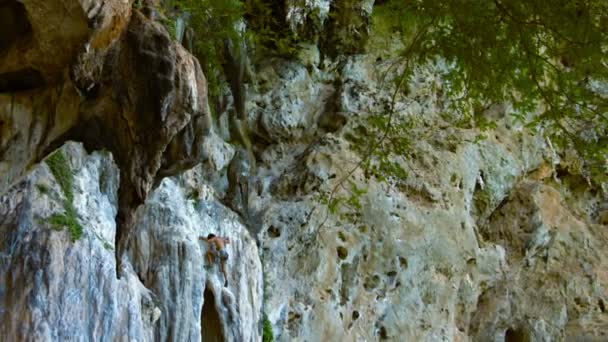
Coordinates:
53	288
487	238
171	261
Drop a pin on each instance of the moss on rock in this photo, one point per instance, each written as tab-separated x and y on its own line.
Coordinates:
60	168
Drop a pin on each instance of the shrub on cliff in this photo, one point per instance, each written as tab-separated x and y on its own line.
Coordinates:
60	168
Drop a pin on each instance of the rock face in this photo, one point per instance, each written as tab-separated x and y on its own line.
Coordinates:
46	36
464	247
51	286
555	283
118	82
171	261
479	236
298	94
54	288
149	108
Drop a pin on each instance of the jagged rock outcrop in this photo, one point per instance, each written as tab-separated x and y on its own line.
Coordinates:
301	95
171	262
52	288
42	38
149	108
131	90
56	288
340	27
38	101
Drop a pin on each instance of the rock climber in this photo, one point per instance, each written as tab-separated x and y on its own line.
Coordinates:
217	248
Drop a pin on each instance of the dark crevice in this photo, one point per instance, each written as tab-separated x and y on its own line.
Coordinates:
382	333
211	324
342	252
15	24
274	232
24	79
516	335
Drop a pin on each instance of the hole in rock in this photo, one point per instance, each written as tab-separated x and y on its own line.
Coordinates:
211	325
342	252
355	315
15	25
23	79
293	316
274	232
294	321
516	335
403	262
383	333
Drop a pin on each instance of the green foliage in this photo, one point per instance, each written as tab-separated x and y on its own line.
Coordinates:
381	141
271	35
213	22
193	195
216	21
267	334
393	138
345	204
60	168
67	219
58	164
170	24
532	54
479	138
42	188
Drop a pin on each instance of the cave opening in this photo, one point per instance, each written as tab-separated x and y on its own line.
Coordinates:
211	324
516	335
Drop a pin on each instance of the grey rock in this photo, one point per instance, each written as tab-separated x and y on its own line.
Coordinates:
54	289
171	261
57	289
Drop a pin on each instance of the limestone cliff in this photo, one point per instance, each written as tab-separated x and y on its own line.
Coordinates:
112	167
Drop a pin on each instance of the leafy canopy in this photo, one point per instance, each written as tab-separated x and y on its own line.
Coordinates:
215	21
534	54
